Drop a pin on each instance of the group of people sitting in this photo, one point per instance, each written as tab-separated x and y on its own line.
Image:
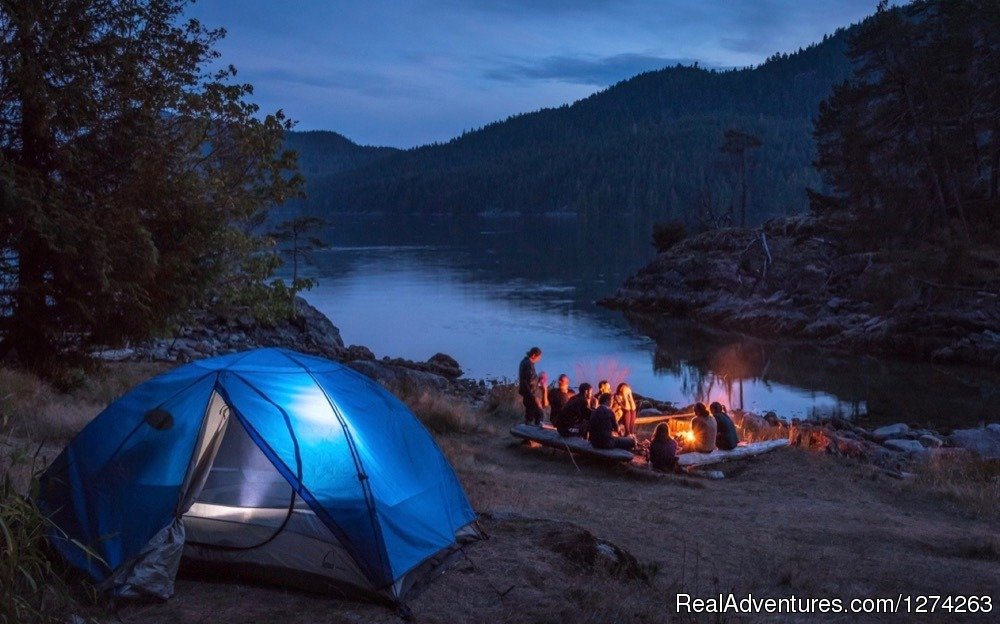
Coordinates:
607	419
710	430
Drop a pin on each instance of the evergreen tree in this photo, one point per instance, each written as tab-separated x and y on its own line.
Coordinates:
128	172
295	240
910	145
736	145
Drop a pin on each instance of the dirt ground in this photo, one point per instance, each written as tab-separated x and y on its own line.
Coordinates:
789	523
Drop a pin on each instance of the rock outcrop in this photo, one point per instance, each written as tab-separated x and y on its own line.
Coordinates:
789	279
209	334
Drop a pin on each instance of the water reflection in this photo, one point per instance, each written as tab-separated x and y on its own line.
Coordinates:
486	290
870	389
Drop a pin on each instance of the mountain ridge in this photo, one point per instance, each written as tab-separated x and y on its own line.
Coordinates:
646	146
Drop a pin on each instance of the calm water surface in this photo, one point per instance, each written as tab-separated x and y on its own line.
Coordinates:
484	291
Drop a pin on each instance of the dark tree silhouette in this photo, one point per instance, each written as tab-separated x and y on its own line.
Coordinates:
127	171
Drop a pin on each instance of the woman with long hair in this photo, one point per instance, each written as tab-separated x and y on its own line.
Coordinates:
623	405
662	449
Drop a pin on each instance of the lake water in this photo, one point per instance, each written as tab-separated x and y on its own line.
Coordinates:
487	289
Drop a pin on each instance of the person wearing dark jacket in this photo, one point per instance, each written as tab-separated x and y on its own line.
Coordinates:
727	437
559	397
527	387
603	427
662	449
574	417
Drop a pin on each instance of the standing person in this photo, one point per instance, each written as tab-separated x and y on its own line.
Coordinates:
603	427
662	449
574	417
623	405
727	437
527	387
704	428
559	396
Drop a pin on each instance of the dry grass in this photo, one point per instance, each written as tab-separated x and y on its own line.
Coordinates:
753	428
970	483
444	414
34	409
503	405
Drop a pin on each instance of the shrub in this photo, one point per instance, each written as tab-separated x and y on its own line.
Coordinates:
36	588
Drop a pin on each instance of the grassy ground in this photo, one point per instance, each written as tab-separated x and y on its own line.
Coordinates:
787	523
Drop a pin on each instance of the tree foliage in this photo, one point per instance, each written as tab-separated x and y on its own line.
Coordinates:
295	240
910	145
131	175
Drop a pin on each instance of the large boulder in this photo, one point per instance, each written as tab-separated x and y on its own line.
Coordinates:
400	378
985	442
905	446
445	365
891	431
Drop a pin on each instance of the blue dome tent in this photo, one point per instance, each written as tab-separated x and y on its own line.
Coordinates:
287	466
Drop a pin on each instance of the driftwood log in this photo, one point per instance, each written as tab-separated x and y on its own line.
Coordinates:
740	452
547	436
651	420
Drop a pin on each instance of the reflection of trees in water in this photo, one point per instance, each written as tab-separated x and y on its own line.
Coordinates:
882	390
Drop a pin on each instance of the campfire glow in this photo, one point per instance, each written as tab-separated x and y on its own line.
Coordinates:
681	428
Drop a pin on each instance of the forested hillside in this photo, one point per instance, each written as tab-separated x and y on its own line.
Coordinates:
324	153
649	146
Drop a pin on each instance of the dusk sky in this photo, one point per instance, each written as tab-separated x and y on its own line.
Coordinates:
409	73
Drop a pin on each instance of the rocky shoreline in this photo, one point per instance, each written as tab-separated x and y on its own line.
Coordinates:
207	334
790	280
895	448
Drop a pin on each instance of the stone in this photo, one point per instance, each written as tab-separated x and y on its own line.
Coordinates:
906	446
316	325
985	442
400	378
930	441
114	355
891	431
358	352
445	365
650	411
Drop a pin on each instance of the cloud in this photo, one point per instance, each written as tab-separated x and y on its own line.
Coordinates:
543	6
365	82
587	70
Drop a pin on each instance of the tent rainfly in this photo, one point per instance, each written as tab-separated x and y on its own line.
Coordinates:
280	465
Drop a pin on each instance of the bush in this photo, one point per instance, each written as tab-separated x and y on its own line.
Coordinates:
35	587
666	234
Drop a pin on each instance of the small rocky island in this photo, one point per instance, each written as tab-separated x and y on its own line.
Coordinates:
796	279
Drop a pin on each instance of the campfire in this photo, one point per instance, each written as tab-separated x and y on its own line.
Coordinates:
680	429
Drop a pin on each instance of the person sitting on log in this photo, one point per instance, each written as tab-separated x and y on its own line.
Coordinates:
662	449
623	405
727	437
559	396
603	427
704	428
574	417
